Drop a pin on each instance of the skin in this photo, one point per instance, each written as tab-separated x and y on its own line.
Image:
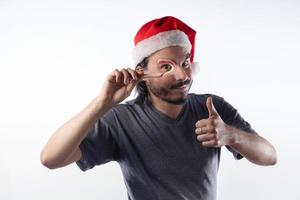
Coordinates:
167	94
213	132
172	87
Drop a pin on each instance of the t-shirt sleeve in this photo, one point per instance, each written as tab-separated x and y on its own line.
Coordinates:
231	117
98	147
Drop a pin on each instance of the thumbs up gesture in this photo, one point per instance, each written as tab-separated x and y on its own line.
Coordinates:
213	132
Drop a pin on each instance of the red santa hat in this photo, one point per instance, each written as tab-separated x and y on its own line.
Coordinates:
161	33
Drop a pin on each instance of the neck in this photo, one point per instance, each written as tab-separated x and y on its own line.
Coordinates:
171	110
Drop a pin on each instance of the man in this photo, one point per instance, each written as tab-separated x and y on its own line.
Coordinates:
166	141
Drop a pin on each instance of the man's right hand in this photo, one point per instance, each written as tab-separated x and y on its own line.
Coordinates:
119	85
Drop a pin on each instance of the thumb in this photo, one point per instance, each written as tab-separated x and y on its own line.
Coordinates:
211	108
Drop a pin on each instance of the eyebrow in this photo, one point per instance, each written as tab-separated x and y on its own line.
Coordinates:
188	55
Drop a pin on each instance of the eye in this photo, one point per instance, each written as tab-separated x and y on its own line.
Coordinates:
186	64
167	67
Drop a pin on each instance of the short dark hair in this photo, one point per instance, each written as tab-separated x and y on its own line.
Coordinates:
141	88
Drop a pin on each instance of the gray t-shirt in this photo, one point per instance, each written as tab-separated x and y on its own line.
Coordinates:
159	156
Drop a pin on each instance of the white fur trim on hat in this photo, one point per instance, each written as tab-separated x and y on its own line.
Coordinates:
159	41
195	68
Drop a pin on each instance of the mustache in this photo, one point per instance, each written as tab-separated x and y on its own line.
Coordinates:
180	84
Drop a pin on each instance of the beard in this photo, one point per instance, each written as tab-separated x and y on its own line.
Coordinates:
165	93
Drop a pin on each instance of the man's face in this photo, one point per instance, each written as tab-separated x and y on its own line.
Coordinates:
174	85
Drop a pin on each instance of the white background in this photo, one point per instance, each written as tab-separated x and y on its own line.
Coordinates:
54	56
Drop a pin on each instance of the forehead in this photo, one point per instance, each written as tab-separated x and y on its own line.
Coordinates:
174	53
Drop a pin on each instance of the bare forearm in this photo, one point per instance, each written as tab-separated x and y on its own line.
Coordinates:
63	147
64	143
253	147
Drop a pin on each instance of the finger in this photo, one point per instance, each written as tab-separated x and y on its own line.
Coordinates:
198	130
205	129
116	74
210	143
126	76
204	122
133	74
206	137
211	108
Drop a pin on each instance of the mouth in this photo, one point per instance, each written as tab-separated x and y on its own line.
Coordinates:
181	85
182	88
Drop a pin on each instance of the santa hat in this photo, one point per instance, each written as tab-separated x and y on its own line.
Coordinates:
161	33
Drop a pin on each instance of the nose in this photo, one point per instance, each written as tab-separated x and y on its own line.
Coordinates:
180	74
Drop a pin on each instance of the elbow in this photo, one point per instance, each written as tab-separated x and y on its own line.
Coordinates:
271	158
271	161
269	154
267	157
46	161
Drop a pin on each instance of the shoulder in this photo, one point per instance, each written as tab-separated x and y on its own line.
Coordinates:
123	110
227	112
124	106
222	106
201	98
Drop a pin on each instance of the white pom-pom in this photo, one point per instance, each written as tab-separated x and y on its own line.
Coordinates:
195	68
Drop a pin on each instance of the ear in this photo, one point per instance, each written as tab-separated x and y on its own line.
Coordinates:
139	69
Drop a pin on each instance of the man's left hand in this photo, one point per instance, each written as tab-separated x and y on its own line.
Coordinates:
213	132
